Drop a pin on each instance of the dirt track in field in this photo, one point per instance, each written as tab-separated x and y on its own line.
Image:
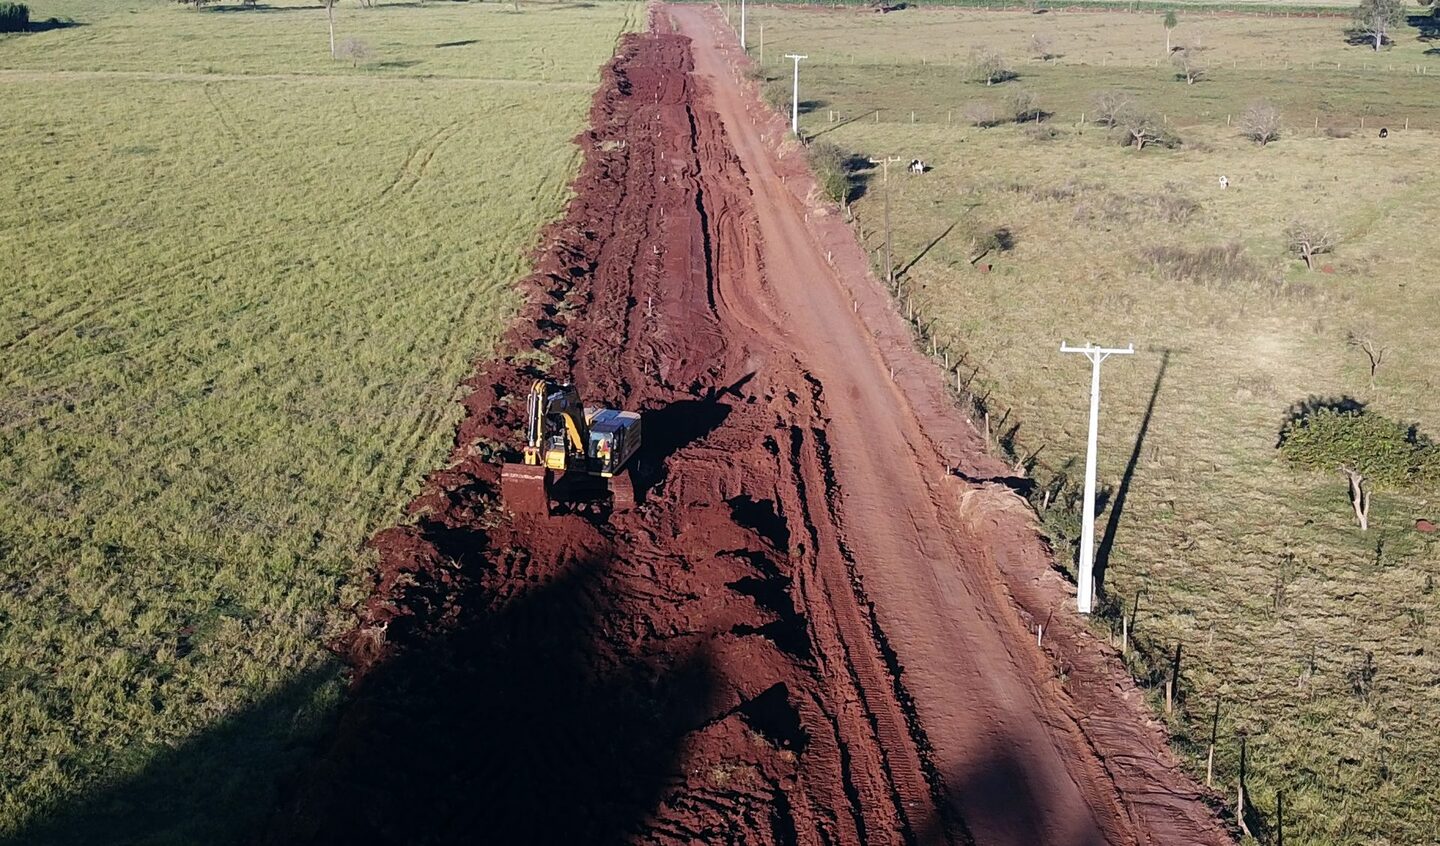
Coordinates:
811	632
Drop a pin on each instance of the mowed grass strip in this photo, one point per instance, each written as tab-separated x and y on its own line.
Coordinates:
1318	642
235	315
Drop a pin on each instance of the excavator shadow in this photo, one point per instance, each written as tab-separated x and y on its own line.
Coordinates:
677	425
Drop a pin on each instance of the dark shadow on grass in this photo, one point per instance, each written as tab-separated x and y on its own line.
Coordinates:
212	788
52	23
466	43
255	8
1117	507
397	63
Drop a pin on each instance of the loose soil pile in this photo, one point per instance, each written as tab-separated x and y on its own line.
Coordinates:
751	655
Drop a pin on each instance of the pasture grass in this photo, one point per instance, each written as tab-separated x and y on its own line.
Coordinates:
241	285
1318	641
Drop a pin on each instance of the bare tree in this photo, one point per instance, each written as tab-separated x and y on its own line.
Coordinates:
990	67
1188	66
981	114
1375	18
1260	122
1110	105
1364	340
355	50
1308	239
1042	47
1024	105
1140	129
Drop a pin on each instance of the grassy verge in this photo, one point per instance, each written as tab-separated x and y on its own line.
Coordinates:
1317	642
242	283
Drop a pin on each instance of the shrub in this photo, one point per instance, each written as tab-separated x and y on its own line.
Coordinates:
776	95
1024	105
827	161
1218	265
990	67
1110	105
981	114
1365	447
1308	239
14	17
1261	122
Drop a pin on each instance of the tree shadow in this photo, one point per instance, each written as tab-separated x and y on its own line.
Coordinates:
515	729
996	799
512	728
202	791
254	8
53	23
466	43
1117	507
809	106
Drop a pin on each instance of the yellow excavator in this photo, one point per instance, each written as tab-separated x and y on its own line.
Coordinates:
589	449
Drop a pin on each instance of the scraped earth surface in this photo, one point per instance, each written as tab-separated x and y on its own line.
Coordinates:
811	631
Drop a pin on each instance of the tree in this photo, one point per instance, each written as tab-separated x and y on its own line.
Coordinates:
1024	105
1170	23
981	114
1137	128
355	50
1110	105
1308	239
1375	18
330	17
1260	122
1187	66
1368	449
1364	340
1042	47
990	67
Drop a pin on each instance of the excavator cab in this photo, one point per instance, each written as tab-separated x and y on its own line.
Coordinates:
571	452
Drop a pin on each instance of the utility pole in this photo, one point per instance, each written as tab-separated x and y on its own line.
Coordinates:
742	26
762	46
885	169
1085	593
795	95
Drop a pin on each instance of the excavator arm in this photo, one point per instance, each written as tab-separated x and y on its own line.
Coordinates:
553	406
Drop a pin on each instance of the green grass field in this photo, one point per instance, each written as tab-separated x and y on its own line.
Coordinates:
1258	571
241	284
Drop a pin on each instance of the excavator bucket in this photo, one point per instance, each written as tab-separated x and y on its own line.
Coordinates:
525	488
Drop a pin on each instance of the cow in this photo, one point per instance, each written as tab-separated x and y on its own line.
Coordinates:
1224	182
917	166
1384	132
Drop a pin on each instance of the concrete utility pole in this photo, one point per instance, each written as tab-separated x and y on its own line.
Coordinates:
885	169
742	25
795	95
762	46
1085	593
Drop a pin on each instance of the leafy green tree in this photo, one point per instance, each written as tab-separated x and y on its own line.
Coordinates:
1375	18
1170	23
1368	449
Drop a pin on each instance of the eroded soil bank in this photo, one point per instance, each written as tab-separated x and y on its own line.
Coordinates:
809	632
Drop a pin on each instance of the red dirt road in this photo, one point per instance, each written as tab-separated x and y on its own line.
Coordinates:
810	632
